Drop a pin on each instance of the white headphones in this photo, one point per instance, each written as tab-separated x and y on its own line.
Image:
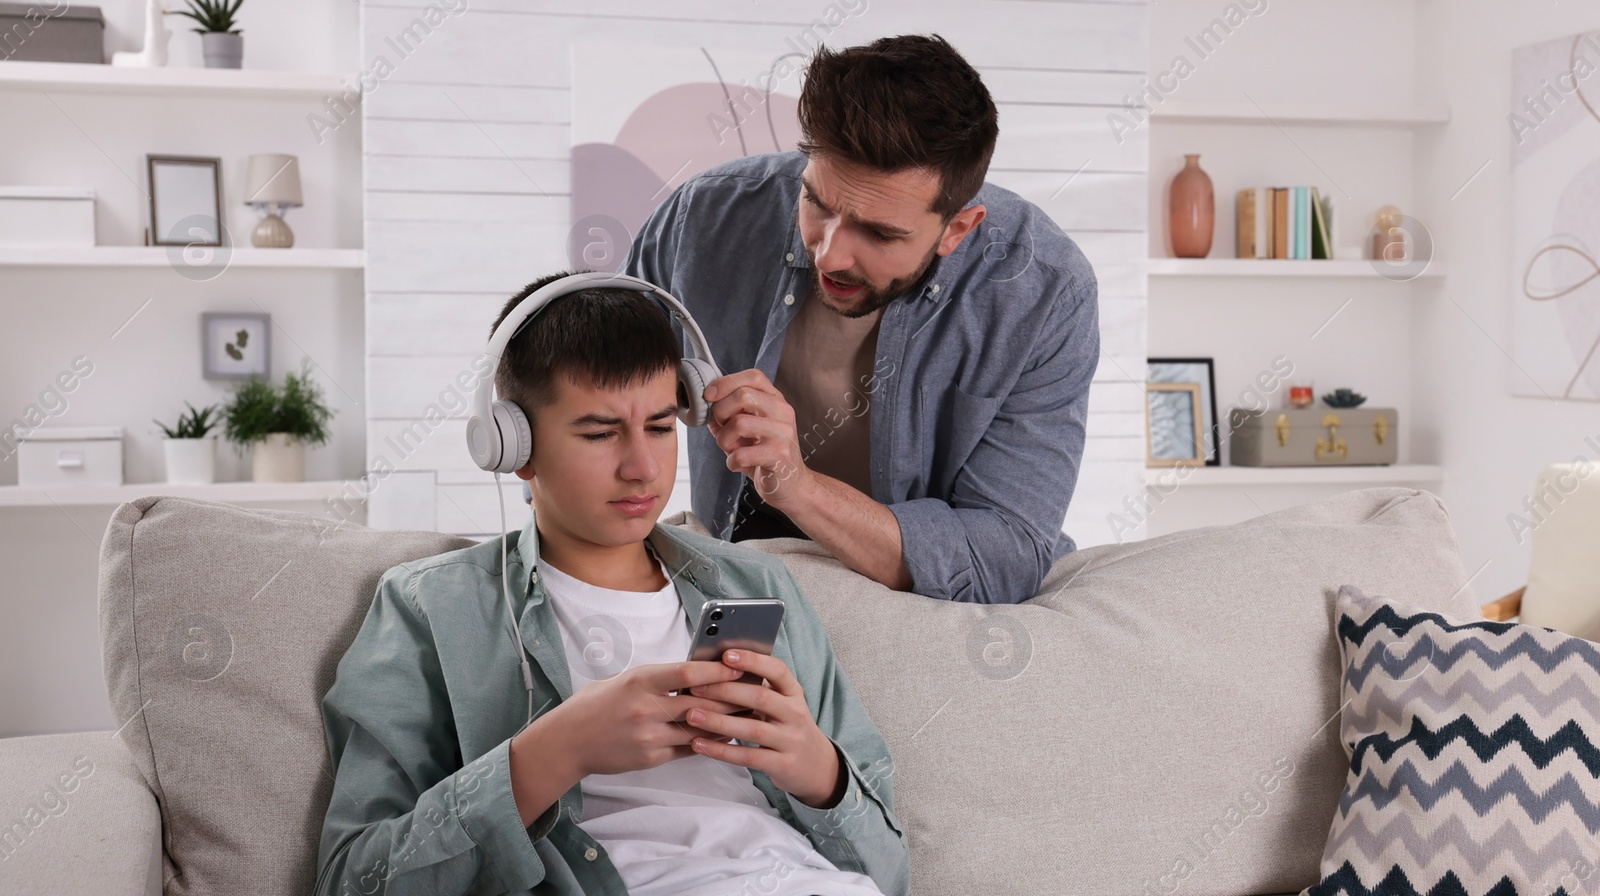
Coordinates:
498	434
500	438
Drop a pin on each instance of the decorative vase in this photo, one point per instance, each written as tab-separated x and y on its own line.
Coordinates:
191	461
156	36
222	49
1191	210
281	458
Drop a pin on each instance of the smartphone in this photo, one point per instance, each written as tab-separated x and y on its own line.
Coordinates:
744	624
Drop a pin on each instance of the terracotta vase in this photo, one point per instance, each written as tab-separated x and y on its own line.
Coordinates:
1191	211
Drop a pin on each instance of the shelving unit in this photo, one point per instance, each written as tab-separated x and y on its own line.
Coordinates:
1263	476
1275	267
225	492
1246	112
163	256
109	79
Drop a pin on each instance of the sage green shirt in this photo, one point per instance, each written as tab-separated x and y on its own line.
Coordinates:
426	700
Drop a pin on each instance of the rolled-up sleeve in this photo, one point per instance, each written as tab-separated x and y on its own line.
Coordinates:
859	833
996	537
406	814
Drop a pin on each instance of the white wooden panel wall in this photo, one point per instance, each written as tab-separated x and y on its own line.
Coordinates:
467	142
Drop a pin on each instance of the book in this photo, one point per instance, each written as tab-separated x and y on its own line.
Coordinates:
1253	219
1280	222
1322	212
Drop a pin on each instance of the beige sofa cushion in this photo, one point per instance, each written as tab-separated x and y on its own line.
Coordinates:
1086	742
1564	568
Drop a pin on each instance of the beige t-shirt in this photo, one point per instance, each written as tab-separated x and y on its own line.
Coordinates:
824	373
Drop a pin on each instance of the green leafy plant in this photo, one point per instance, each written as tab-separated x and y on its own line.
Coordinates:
212	15
193	425
257	409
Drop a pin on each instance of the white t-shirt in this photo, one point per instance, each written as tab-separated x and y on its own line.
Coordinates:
695	825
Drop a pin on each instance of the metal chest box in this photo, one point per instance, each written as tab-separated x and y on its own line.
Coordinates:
69	455
59	32
1313	437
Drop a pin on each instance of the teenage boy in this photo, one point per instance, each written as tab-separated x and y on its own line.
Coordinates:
618	784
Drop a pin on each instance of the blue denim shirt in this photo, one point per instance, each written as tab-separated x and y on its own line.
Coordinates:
981	386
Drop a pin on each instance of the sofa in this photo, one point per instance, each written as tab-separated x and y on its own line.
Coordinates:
1159	719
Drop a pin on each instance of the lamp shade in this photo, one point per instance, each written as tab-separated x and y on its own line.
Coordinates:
273	177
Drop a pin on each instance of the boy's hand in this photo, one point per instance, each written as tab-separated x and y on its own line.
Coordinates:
630	721
792	750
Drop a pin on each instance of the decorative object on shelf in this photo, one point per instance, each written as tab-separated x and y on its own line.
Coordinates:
1284	222
46	216
1343	398
1387	241
235	345
75	33
272	187
68	455
1301	394
277	423
221	42
1313	437
1172	420
1191	210
190	449
156	37
185	200
1200	372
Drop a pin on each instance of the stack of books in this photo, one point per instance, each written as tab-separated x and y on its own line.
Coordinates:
1284	222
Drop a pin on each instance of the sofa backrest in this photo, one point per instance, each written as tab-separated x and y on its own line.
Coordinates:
1160	716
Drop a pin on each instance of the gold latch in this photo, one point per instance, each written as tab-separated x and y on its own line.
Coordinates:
1283	430
1333	445
1380	428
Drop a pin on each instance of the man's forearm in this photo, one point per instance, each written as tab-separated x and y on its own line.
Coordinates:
862	533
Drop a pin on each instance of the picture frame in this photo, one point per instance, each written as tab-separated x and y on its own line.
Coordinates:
185	200
1200	371
235	345
1173	433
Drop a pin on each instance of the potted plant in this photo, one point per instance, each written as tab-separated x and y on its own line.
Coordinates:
277	423
190	448
221	41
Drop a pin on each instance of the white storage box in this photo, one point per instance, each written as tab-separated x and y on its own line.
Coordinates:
46	216
69	455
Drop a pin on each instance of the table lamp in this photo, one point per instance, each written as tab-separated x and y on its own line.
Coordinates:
273	186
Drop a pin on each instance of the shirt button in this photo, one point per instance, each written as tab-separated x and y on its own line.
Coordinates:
788	299
789	257
934	288
591	853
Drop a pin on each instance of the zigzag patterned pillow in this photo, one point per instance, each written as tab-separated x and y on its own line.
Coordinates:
1474	766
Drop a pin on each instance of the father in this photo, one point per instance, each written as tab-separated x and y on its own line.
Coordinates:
912	347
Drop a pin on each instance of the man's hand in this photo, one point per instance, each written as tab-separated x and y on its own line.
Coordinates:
755	427
791	750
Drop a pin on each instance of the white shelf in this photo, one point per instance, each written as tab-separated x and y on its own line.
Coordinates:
87	78
1258	476
1246	112
163	256
225	492
1276	267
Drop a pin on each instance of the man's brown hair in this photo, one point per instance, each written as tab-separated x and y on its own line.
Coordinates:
909	101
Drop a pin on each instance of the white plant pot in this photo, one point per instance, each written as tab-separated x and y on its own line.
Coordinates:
191	461
281	458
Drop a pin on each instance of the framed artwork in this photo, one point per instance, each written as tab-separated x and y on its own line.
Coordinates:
1172	425
185	200
235	346
1200	372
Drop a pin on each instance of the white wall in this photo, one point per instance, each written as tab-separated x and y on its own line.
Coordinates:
49	556
1492	444
467	147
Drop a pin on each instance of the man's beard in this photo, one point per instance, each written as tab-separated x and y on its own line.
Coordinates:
871	299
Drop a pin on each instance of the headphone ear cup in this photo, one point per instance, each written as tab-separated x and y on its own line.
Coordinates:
516	436
693	377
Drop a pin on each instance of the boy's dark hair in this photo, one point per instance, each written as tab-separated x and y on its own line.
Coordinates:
909	101
609	338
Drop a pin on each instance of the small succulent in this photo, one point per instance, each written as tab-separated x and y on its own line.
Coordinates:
212	15
193	425
1344	398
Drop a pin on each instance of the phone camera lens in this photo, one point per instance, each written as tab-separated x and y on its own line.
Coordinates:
715	615
711	629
